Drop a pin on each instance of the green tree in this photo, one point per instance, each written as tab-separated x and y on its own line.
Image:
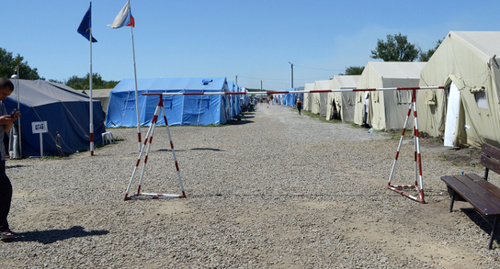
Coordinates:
78	83
425	56
8	65
354	70
395	49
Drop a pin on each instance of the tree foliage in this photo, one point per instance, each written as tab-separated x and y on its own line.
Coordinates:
425	56
395	49
8	65
78	83
354	70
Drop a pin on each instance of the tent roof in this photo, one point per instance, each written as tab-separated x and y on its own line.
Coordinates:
41	92
463	55
323	84
488	43
309	86
397	70
99	93
205	84
345	82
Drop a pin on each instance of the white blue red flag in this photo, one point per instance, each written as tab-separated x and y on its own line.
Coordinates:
124	18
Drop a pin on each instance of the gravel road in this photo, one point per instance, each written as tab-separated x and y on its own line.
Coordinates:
274	190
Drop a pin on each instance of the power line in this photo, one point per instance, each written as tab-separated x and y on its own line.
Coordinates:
315	68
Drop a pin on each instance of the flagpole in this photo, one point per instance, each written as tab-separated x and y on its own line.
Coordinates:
91	106
136	92
125	18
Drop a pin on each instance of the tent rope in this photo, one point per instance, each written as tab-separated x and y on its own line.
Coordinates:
50	134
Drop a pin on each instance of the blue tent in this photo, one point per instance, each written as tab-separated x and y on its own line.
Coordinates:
235	99
291	98
66	112
179	109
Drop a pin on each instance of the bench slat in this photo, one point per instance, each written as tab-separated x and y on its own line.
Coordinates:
486	184
491	151
494	190
492	164
473	193
483	188
491	157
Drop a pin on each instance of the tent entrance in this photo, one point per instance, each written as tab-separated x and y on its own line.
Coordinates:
452	109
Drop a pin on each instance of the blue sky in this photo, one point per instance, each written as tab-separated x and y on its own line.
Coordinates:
254	40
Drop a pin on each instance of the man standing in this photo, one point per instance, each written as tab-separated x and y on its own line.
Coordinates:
6	120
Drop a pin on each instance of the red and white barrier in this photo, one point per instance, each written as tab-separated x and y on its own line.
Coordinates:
418	184
147	144
304	91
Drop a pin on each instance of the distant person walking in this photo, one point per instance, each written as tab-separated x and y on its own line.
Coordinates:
299	105
6	120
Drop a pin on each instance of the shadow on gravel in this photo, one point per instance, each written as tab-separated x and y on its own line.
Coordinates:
240	122
485	225
16	166
51	236
181	150
177	150
212	149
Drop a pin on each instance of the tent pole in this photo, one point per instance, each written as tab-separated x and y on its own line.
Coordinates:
136	92
19	119
91	105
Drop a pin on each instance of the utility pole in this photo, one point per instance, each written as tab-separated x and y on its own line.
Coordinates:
292	72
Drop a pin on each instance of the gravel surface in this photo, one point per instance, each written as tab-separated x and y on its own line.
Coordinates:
274	190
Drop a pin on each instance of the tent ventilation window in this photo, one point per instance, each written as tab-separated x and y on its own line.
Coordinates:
481	100
167	102
207	81
480	96
403	97
204	103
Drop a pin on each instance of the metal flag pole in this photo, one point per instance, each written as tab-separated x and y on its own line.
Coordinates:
91	105
136	92
16	77
125	18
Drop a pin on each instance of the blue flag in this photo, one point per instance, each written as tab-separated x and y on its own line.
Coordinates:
86	25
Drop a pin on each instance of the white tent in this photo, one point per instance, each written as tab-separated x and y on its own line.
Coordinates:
387	109
307	97
340	105
320	99
468	111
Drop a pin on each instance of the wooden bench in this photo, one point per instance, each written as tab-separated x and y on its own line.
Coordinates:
484	196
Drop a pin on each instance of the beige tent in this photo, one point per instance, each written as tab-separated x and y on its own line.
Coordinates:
340	105
387	109
319	100
307	96
468	111
103	96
